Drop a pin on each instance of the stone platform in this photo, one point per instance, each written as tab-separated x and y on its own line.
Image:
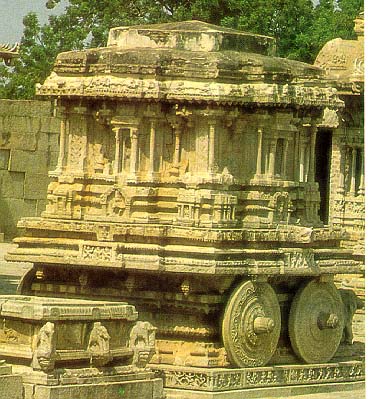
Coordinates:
10	385
110	382
261	382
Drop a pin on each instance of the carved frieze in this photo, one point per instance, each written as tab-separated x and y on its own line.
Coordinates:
225	380
97	253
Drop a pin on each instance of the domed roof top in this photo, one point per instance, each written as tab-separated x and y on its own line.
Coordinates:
190	35
187	61
343	60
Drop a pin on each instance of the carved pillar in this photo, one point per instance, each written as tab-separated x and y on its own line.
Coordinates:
312	165
118	145
77	140
64	127
151	165
284	158
176	125
271	164
361	182
259	152
307	162
296	157
353	170
341	181
301	160
134	152
211	146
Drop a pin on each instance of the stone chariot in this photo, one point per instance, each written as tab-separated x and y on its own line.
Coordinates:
187	185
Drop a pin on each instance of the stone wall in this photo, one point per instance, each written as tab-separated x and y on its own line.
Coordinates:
28	150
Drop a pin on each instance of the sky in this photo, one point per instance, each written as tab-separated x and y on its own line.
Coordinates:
12	13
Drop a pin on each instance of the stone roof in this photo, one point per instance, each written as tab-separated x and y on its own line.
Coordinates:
343	60
192	36
8	53
188	61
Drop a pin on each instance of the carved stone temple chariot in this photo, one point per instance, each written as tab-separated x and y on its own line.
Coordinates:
192	182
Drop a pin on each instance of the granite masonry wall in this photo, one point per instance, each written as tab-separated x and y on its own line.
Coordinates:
28	150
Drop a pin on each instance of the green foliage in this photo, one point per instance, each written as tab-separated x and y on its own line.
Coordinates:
300	28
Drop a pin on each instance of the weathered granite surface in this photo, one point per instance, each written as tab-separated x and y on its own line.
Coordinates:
189	178
28	150
343	61
10	384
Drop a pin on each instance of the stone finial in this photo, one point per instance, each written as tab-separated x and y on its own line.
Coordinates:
8	52
45	351
99	345
143	341
359	25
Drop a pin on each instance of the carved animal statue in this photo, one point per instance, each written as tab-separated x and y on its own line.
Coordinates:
44	354
99	345
351	304
142	341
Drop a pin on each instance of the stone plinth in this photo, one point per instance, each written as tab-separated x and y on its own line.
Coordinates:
113	383
54	331
261	382
10	385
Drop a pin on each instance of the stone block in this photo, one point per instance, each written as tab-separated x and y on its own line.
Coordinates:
11	210
22	161
35	186
34	108
11	184
41	206
10	385
149	389
4	158
50	124
53	158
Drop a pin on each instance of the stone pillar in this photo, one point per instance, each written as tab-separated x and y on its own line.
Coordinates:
77	140
211	146
64	125
134	152
271	164
151	165
361	190
259	152
312	165
301	160
284	158
118	158
296	157
341	179
307	162
353	170
177	127
177	133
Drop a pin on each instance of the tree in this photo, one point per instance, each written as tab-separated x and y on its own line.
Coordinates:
300	28
332	19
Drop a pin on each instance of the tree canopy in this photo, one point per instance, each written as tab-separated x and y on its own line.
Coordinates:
300	28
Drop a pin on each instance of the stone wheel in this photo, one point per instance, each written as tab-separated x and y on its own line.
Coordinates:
316	322
251	324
